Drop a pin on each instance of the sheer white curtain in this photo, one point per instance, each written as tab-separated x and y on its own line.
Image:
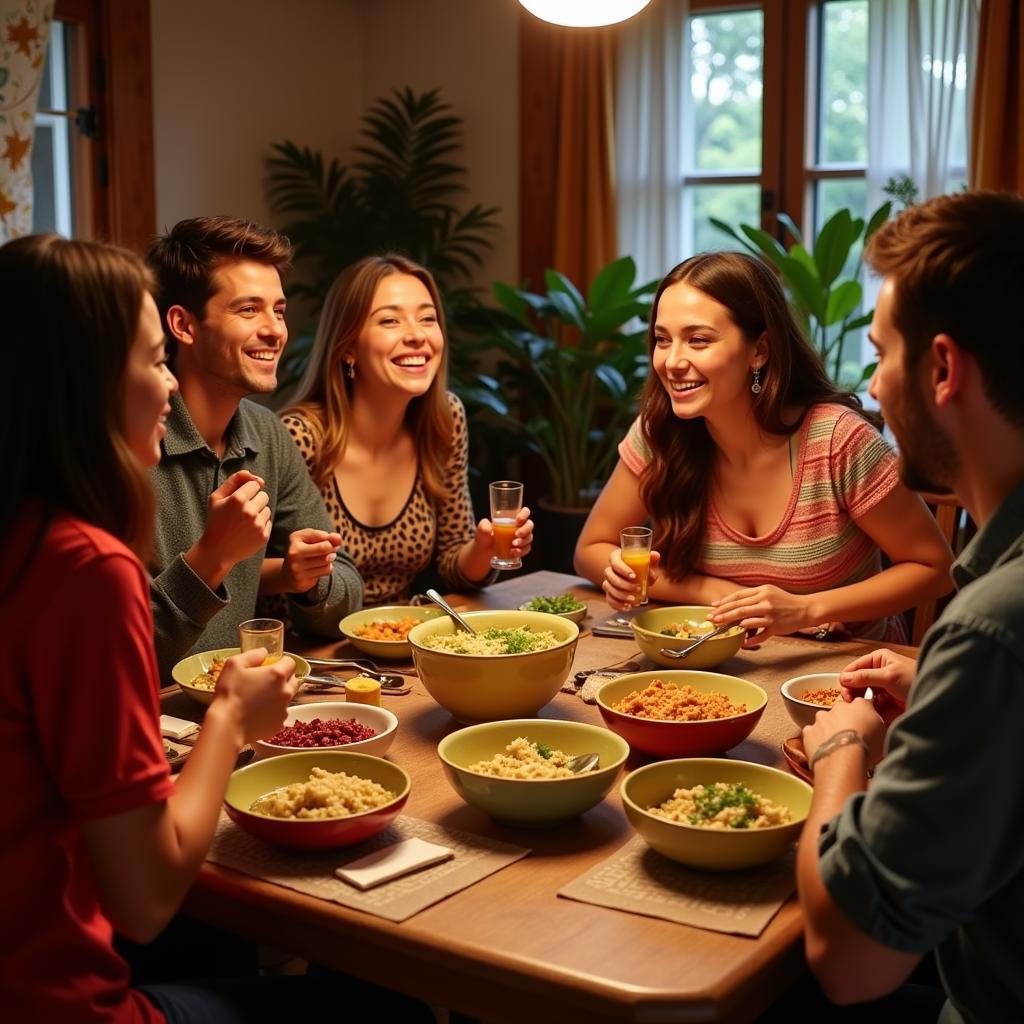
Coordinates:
920	55
649	137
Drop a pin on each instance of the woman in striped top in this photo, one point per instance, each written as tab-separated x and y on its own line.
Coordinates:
770	494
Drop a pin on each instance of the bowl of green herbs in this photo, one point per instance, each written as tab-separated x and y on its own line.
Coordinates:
568	605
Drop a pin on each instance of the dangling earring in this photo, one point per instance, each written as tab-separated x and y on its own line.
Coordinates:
350	369
756	385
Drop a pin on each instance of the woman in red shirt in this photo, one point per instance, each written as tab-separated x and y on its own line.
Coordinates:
94	834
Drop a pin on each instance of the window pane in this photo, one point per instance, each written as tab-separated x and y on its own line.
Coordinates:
734	204
843	83
52	171
725	65
835	193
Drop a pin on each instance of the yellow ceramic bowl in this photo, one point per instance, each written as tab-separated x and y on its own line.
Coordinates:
390	613
802	711
577	615
196	664
711	849
249	783
647	628
486	687
532	803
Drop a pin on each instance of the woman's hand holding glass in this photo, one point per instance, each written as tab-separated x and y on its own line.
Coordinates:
621	584
255	694
522	540
768	609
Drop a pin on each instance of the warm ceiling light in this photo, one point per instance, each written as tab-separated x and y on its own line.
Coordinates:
584	13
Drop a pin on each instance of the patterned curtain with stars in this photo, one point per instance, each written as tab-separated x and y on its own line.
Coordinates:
24	34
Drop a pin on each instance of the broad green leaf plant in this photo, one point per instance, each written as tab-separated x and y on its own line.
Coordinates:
822	280
569	372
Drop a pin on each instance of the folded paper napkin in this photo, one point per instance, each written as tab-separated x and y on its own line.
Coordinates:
402	858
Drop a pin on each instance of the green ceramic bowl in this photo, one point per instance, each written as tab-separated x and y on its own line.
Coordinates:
532	803
389	613
710	849
647	628
487	687
260	777
196	664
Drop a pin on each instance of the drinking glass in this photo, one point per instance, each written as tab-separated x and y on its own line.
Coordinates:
506	501
635	545
267	633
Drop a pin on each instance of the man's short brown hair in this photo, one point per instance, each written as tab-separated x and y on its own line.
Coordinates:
185	259
957	266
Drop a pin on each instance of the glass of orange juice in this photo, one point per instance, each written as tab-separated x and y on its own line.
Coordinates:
267	633
635	545
506	501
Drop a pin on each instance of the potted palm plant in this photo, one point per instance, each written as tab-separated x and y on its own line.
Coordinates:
565	385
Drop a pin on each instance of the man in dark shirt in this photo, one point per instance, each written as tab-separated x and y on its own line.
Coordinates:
238	516
929	857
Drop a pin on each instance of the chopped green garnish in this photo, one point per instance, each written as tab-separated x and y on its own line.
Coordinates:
717	797
517	641
544	750
556	605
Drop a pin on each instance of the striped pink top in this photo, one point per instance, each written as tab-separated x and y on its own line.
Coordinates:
843	469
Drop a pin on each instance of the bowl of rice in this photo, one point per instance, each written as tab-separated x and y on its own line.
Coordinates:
511	668
515	771
681	714
716	814
197	674
331	725
316	799
805	696
384	632
677	627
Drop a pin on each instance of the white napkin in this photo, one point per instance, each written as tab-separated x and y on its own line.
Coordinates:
392	862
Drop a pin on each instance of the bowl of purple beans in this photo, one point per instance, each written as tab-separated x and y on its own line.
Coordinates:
331	725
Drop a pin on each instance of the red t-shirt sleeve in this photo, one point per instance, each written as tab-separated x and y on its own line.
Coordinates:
99	727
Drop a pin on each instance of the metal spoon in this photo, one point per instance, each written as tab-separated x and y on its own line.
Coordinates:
456	617
367	668
669	653
583	762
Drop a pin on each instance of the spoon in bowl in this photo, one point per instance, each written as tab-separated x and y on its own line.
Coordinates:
455	616
583	763
669	653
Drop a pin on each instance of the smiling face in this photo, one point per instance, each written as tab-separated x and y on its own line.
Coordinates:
703	360
147	389
927	457
400	346
237	345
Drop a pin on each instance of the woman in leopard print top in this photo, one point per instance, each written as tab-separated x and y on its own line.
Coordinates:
384	441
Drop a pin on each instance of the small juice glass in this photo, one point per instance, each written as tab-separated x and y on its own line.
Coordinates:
267	633
635	549
506	501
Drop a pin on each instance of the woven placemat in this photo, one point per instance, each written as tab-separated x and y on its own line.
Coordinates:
475	858
640	880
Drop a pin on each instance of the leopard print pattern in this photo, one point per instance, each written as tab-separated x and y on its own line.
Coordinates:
389	557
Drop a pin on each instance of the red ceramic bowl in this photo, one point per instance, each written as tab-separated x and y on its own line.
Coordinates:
683	739
249	783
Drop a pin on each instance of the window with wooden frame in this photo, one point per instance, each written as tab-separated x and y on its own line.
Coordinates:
92	157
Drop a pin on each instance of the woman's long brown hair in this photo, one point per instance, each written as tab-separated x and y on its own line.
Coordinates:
73	311
676	482
324	397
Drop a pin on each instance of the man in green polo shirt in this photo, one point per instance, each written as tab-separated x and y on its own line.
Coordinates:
238	516
929	857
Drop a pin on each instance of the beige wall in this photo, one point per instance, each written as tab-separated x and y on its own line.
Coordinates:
231	78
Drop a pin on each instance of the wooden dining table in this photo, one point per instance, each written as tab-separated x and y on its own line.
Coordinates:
508	949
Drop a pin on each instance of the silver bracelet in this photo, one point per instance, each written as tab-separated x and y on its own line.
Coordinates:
844	738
